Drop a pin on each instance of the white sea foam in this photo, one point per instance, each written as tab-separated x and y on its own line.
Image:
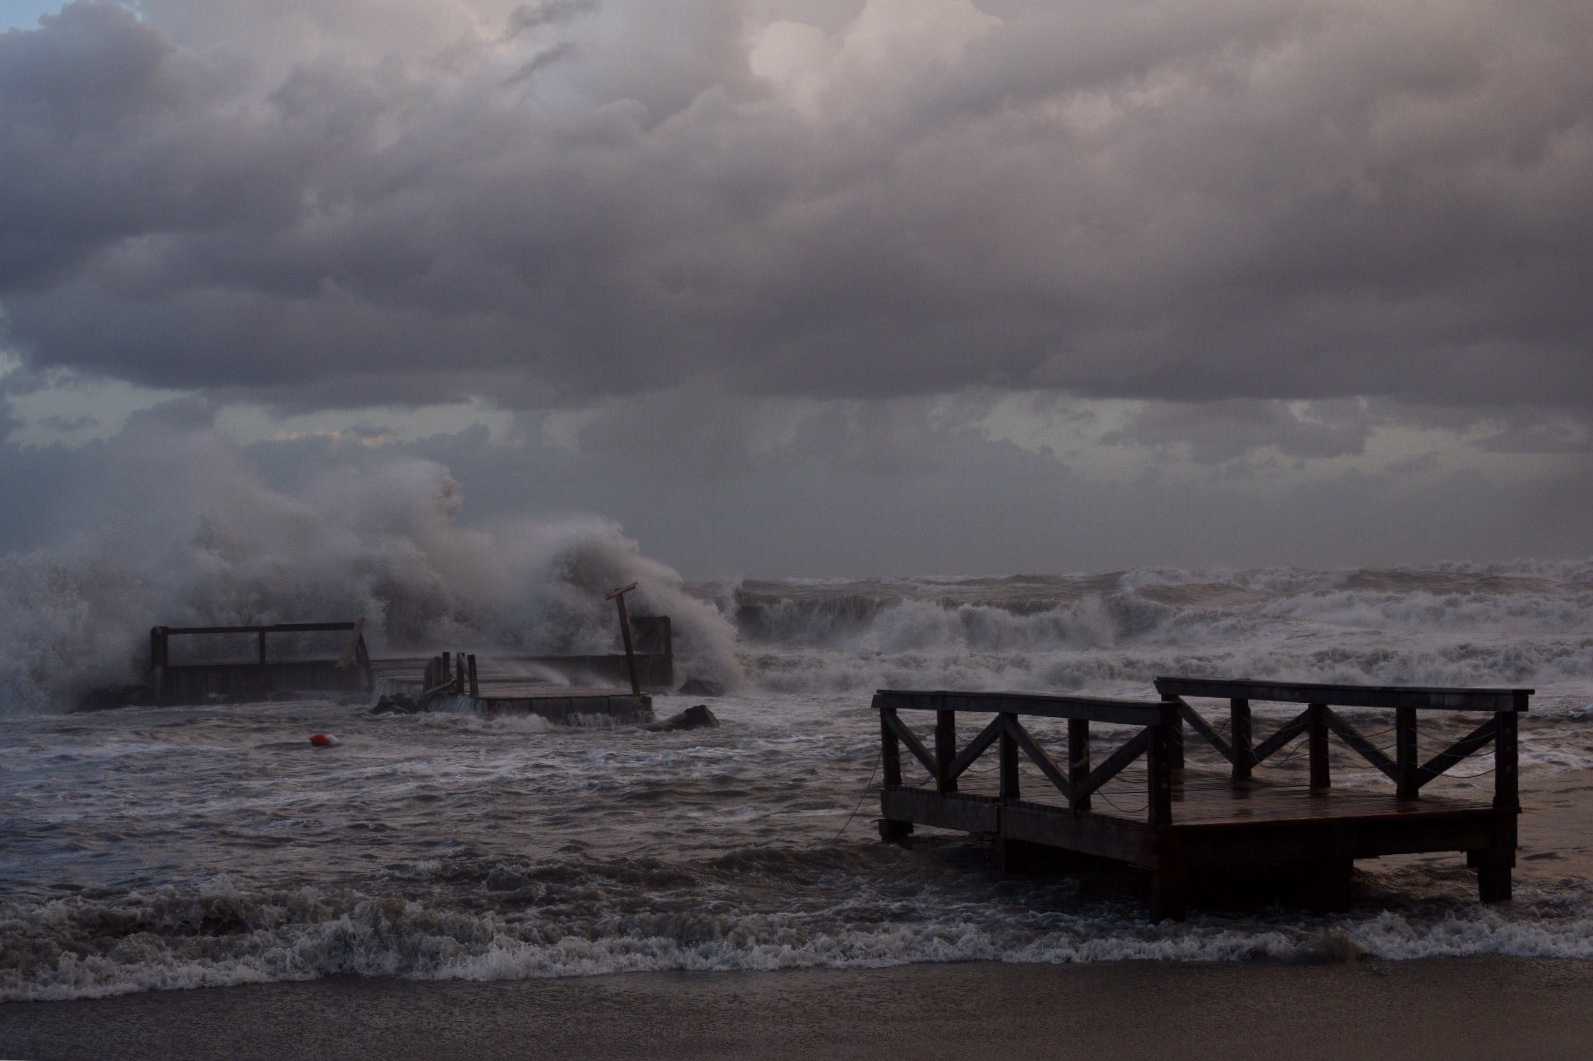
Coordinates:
222	937
1526	624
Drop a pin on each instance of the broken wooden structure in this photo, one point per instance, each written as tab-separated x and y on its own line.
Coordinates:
516	688
500	686
263	676
1200	825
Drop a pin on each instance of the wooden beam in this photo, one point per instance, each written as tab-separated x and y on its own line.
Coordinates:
1113	765
618	597
890	748
271	628
1177	734
1506	781
1202	727
907	737
1159	782
1369	751
976	747
1286	733
945	750
1321	776
1123	712
1419	697
1078	763
1009	761
1405	753
1239	729
1037	754
1474	741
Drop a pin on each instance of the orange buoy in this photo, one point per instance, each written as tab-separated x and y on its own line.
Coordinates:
322	740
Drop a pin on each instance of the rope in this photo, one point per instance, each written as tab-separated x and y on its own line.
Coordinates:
1126	810
860	797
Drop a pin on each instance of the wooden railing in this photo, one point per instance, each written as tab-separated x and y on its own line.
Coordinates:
233	679
1076	783
1319	719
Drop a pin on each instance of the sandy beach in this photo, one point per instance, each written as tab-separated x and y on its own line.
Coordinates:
1489	1007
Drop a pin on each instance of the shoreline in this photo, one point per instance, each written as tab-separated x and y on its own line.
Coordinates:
1461	1007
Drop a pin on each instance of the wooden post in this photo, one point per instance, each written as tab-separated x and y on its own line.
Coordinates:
890	749
260	646
1009	759
1506	775
1243	758
1177	735
475	686
1169	881
157	660
459	673
1317	735
1159	770
890	754
945	749
1405	751
362	658
1078	761
445	669
618	597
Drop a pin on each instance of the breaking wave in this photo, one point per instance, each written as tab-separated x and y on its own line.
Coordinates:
381	540
1514	624
838	910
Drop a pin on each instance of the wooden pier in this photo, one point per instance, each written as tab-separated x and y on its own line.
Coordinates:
207	680
1193	825
241	665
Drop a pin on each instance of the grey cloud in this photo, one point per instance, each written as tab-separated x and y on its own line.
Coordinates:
724	485
1241	200
1224	430
527	17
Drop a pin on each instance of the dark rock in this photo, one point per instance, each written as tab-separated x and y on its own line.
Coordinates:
695	717
701	687
397	704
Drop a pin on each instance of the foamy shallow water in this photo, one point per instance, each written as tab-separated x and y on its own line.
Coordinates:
149	848
180	847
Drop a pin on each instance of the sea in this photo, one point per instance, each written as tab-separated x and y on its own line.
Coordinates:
162	848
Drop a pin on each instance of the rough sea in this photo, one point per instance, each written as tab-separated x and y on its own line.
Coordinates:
153	848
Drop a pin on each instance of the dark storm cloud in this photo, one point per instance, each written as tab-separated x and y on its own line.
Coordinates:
349	203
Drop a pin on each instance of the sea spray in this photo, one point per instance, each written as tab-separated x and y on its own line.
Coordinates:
383	539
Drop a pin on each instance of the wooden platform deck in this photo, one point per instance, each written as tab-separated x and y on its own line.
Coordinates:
1143	805
474	686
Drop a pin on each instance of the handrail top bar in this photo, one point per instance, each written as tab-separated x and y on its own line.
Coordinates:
1097	709
1443	698
269	628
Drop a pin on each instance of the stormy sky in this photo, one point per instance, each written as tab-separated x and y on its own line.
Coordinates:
838	287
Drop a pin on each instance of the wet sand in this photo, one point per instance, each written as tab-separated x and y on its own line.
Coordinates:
1492	1007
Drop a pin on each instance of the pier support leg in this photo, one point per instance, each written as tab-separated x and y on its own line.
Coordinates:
1327	889
1169	894
1170	886
1493	876
894	832
1018	856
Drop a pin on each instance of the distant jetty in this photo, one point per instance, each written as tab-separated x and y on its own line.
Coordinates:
331	658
